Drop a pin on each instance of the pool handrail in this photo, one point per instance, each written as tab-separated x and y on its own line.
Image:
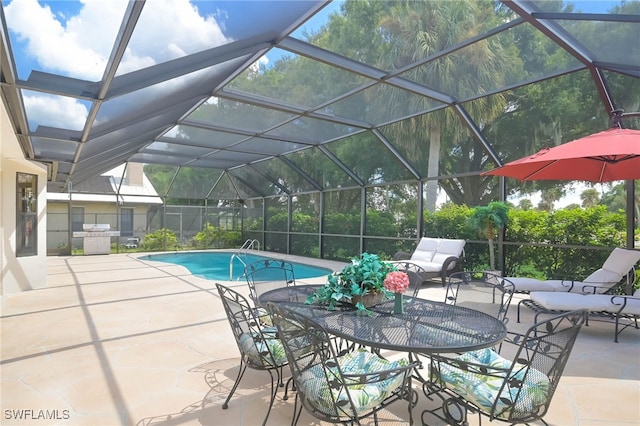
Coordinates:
246	246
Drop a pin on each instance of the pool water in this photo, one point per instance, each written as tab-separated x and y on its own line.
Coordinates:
215	265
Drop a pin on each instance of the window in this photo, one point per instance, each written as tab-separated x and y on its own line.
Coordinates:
126	222
26	214
77	219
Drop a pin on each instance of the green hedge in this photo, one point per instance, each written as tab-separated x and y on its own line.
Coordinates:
214	237
534	240
593	227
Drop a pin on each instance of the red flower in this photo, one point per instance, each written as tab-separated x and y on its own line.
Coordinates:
396	281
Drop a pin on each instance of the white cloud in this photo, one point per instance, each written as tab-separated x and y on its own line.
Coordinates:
170	29
55	111
80	45
254	69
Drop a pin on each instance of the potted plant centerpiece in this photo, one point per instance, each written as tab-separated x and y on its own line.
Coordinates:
360	283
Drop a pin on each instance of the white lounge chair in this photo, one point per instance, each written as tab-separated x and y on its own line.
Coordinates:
439	257
601	306
614	269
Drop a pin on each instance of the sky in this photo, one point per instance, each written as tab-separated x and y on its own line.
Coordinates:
572	196
75	39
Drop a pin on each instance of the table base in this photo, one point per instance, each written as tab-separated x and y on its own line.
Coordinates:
450	409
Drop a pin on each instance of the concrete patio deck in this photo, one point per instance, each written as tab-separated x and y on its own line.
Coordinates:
114	340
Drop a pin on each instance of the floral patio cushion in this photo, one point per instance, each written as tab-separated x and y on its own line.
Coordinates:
263	316
267	352
482	390
315	388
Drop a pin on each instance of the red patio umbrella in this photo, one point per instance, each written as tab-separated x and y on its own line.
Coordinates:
606	156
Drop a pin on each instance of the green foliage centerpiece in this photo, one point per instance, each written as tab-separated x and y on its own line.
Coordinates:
357	282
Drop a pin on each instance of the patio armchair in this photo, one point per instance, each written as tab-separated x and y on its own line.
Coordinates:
417	274
264	275
338	387
623	311
439	257
482	291
259	346
618	265
515	390
268	274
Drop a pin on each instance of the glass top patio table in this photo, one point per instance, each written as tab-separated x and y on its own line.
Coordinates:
425	327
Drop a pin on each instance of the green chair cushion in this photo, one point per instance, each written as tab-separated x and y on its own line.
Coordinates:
263	316
318	389
482	390
267	352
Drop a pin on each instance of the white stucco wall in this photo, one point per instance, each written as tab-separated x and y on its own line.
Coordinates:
27	272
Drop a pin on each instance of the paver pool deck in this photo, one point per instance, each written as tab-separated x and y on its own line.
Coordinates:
116	340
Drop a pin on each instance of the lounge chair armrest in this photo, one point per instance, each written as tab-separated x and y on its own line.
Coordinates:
575	286
589	289
593	288
402	255
621	300
567	284
450	263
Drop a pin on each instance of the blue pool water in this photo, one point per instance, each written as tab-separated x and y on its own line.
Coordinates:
215	265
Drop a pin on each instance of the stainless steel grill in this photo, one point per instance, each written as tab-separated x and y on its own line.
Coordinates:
96	238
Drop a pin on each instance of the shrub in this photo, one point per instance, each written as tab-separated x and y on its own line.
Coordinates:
162	239
208	237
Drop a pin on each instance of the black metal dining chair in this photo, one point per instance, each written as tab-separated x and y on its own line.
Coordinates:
518	389
483	291
268	274
338	387
417	274
259	346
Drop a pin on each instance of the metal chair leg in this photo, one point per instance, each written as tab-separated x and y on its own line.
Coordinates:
243	368
274	391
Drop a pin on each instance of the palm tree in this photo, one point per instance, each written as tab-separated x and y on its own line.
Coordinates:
590	197
548	197
525	204
419	29
488	220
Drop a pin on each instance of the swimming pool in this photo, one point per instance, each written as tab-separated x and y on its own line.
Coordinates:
215	265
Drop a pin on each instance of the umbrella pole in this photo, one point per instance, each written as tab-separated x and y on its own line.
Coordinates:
631	211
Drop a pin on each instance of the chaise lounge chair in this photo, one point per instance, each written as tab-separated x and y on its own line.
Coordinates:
618	265
603	307
439	257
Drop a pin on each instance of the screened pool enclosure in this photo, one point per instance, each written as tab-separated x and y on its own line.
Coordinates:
319	128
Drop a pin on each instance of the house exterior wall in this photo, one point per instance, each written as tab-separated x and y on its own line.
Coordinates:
94	212
25	272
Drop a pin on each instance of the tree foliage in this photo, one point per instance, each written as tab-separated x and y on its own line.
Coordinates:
488	221
514	122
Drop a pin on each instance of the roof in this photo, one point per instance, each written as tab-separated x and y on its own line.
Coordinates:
216	86
110	188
